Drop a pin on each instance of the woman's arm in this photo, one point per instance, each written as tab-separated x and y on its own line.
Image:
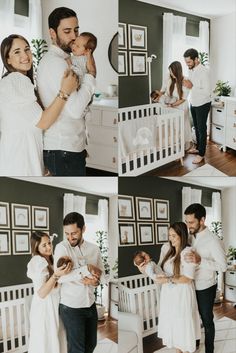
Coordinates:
173	279
177	103
69	84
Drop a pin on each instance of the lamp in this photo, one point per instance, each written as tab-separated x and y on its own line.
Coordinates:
149	61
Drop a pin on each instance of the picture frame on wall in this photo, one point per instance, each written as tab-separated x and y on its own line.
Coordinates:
127	234
21	216
162	232
137	63
4	215
137	37
21	242
40	217
126	207
145	233
122	35
144	207
5	242
122	63
161	210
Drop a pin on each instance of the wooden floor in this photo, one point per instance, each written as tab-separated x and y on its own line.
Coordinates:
223	161
108	328
152	343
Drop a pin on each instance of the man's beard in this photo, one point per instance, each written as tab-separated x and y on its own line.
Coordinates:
195	231
65	47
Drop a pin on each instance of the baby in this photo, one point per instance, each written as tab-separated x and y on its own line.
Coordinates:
152	270
162	98
94	271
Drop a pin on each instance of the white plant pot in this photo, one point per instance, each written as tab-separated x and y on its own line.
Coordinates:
101	311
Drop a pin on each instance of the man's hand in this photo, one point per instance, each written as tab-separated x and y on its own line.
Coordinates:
142	267
91	66
193	257
187	84
90	281
95	271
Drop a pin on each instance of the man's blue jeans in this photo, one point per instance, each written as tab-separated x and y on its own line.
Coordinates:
63	163
81	328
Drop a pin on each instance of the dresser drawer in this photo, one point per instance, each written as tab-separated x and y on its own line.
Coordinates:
109	118
102	135
217	134
218	116
96	117
230	278
231	109
231	122
230	293
114	292
231	138
104	156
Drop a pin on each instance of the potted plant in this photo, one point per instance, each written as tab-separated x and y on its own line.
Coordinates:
102	244
222	88
216	228
115	269
203	58
232	255
40	47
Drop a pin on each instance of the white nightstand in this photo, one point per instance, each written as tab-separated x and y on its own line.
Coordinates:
230	285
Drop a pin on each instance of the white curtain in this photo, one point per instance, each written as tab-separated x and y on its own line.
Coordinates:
190	196
204	36
35	19
103	214
174	38
74	203
216	206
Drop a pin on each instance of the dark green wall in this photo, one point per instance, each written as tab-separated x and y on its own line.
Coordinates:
21	7
13	267
133	90
156	188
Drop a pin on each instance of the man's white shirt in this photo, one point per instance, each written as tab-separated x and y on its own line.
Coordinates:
200	93
74	294
68	132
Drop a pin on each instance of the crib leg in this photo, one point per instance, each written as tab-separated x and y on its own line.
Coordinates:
182	161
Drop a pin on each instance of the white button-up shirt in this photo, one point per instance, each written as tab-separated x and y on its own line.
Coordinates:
74	294
68	132
200	93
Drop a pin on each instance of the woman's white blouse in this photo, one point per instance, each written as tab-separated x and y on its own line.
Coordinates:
21	147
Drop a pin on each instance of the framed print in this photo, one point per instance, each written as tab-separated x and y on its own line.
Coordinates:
122	63
126	207
127	234
122	36
137	63
21	242
40	217
161	210
4	215
20	216
5	242
137	37
162	230
144	209
145	233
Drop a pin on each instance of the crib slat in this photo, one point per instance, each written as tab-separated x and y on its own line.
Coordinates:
11	324
146	306
4	328
19	328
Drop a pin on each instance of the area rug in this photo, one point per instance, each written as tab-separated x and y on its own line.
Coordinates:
106	346
225	338
205	170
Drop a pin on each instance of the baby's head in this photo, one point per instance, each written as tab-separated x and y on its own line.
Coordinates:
64	260
141	257
155	95
83	43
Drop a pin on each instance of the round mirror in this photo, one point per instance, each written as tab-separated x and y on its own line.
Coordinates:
113	52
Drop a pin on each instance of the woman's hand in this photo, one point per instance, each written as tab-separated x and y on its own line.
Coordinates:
91	66
69	82
161	279
188	84
61	271
142	267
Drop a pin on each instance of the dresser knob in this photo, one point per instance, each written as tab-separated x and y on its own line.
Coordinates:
114	139
234	125
234	139
114	160
115	121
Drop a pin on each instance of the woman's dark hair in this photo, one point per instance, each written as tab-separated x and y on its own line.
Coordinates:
72	218
181	229
192	53
5	49
59	14
177	71
197	209
92	40
36	238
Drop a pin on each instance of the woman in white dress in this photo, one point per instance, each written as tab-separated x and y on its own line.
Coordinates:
179	321
174	95
46	331
22	120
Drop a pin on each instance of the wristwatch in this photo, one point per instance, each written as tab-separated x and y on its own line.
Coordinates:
63	95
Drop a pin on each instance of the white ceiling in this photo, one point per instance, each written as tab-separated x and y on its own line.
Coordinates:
211	182
204	8
103	186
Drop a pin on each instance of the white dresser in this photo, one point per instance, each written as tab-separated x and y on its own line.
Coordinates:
113	299
223	123
230	285
103	135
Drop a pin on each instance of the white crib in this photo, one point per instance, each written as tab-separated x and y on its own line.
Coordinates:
150	136
15	304
139	295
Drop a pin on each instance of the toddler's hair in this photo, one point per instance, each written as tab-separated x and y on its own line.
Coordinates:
92	40
138	258
64	260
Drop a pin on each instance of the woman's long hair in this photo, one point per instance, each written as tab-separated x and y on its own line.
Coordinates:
177	71
181	229
5	49
36	238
